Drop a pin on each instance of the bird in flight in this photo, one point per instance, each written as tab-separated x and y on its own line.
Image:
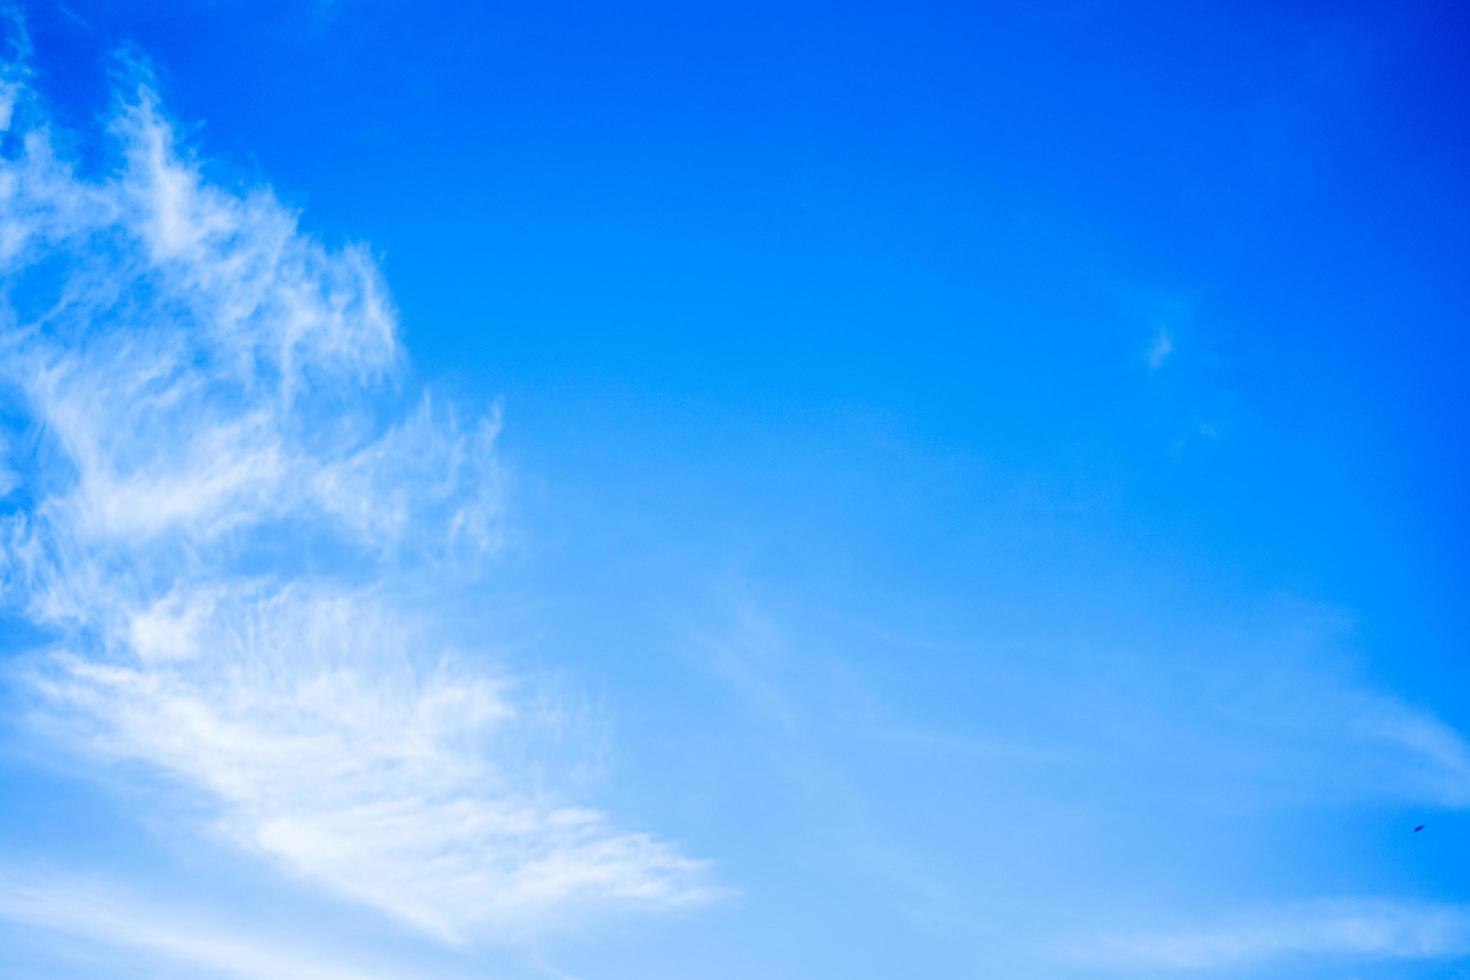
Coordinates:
1419	828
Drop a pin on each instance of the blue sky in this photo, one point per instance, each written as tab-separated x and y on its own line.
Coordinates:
796	490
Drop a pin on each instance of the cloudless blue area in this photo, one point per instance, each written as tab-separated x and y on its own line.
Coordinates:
922	419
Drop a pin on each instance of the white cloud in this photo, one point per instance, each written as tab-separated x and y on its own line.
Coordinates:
99	913
223	534
1430	759
1356	928
1159	349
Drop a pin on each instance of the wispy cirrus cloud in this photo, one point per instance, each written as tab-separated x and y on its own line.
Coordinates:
215	504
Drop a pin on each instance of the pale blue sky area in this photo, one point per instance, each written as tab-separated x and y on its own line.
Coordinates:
769	490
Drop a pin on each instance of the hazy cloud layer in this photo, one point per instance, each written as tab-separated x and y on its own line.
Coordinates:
213	504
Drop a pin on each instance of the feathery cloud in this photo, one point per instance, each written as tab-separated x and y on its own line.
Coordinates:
213	509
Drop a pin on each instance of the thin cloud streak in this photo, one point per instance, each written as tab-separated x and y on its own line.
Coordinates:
1358	928
98	913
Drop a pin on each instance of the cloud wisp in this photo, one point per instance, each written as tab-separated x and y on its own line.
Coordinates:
93	912
1357	929
215	505
1159	349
